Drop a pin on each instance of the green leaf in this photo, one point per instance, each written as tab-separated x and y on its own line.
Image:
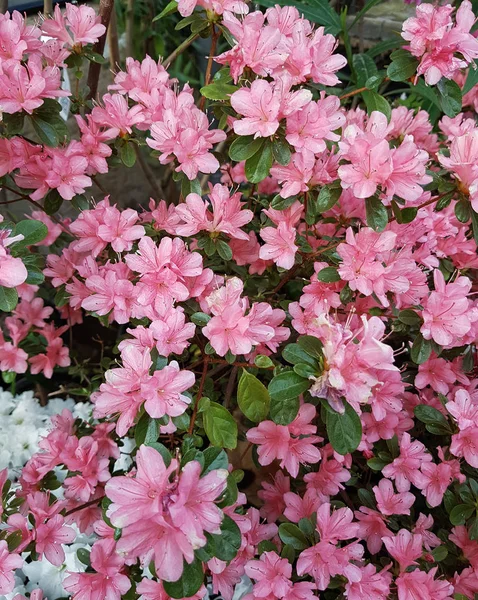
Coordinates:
8	299
292	535
312	345
474	224
52	202
377	464
317	11
284	411
189	583
84	556
228	542
409	317
460	513
428	414
220	426
128	155
327	198
287	385
95	57
344	430
421	350
146	430
218	91
244	147
377	215
214	458
200	319
450	95
472	78
374	101
35	276
170	8
166	455
364	67
463	210
440	553
224	250
32	231
403	66
263	362
295	355
252	397
328	275
259	165
281	152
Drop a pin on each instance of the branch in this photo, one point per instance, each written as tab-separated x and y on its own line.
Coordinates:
207	77
199	394
150	176
180	49
85	505
105	10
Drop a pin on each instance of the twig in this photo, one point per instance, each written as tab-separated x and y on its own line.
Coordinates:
28	199
207	77
353	93
85	505
427	203
150	176
199	394
113	44
129	27
47	8
105	10
181	48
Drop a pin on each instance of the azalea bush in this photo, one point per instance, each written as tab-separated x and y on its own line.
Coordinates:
274	362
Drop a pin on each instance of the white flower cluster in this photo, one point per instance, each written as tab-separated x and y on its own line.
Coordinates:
23	422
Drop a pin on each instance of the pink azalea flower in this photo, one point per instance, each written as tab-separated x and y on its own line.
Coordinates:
419	584
372	585
260	107
390	503
272	575
280	245
49	538
8	564
404	547
80	25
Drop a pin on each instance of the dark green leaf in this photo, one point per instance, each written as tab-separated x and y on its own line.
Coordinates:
328	275
228	542
428	414
287	385
218	91
214	458
281	151
344	430
220	426
409	317
377	216
52	202
259	165
284	411
403	66
83	556
460	513
162	450
263	362
252	397
189	583
364	68
128	155
224	250
472	78
292	535
295	355
146	430
439	553
450	95
8	299
421	350
200	319
327	198
463	211
375	102
244	147
312	345
32	231
170	8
